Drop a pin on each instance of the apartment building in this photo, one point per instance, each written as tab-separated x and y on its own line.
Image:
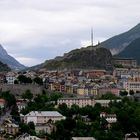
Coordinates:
135	86
127	72
80	101
10	77
83	101
42	117
125	62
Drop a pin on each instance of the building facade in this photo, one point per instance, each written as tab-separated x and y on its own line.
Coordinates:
135	86
81	101
42	117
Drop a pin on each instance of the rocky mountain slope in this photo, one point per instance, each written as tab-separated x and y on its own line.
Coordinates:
4	67
118	43
132	51
9	60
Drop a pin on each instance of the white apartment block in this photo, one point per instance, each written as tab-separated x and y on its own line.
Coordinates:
135	86
81	101
42	117
10	77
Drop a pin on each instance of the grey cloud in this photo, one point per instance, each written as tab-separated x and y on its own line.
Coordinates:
42	29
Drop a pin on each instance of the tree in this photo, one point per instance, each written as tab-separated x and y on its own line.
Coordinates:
131	92
109	95
75	109
27	95
63	109
24	79
123	93
10	98
24	128
16	82
31	125
55	96
15	114
38	80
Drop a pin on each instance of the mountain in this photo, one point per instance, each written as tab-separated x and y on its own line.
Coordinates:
132	51
118	43
84	58
9	60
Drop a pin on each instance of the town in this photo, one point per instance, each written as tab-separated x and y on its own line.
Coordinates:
74	104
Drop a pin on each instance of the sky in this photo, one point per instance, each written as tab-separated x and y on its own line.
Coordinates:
33	31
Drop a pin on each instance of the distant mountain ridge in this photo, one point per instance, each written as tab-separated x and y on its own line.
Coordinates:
9	60
119	42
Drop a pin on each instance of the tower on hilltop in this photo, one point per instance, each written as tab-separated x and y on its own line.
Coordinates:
94	46
91	36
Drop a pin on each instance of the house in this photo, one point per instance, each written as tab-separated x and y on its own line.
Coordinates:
120	72
2	138
95	74
21	104
83	138
45	128
10	77
87	90
135	86
2	103
42	117
131	136
110	118
11	128
27	137
125	62
105	103
105	90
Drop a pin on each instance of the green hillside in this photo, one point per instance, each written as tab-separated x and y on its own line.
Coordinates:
85	58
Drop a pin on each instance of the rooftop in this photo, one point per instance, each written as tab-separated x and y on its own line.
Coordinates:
44	113
83	138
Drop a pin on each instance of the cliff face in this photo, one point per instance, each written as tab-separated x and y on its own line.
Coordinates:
132	51
9	60
4	67
119	42
99	58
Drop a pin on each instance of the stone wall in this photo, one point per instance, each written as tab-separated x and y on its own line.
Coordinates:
20	89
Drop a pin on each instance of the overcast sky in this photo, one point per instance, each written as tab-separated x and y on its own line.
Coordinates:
33	31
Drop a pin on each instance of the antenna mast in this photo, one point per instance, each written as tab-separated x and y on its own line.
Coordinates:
91	36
